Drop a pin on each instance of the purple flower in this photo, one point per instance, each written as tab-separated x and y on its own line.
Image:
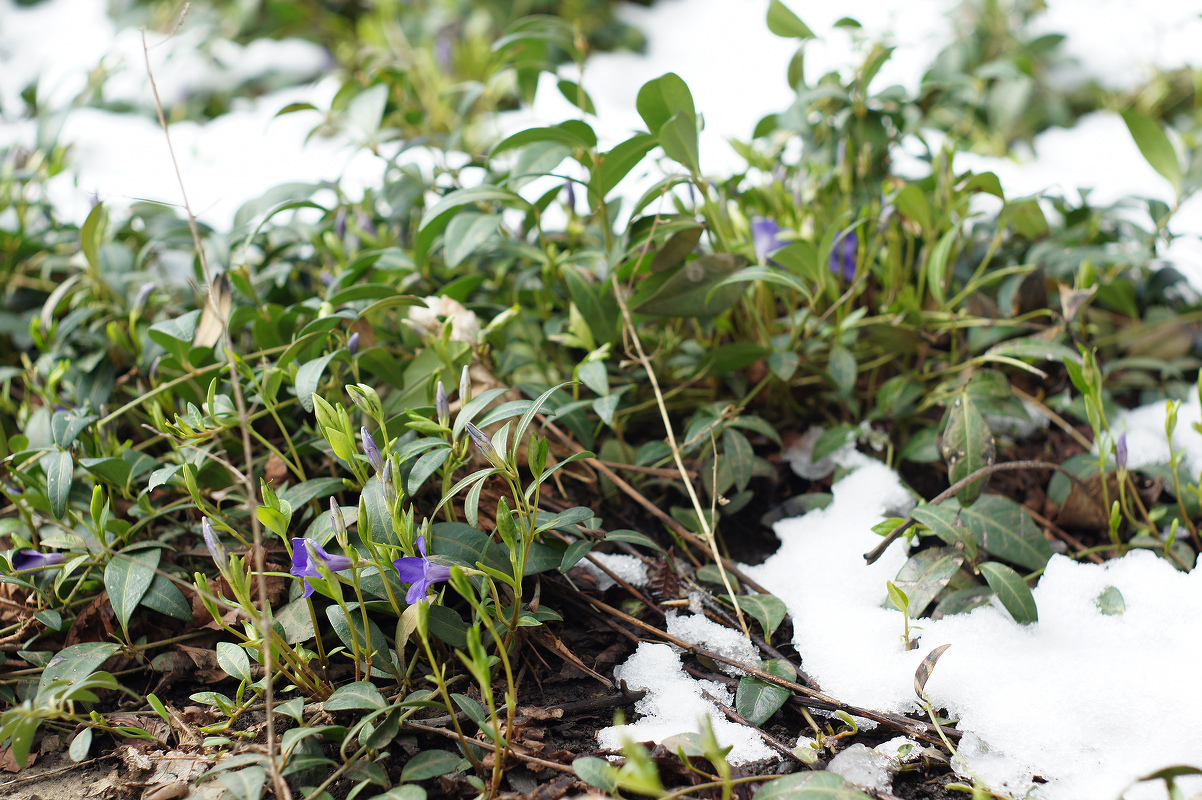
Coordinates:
843	255
352	344
302	561
420	573
442	405
571	195
340	223
213	542
764	236
365	224
370	450
32	559
1120	450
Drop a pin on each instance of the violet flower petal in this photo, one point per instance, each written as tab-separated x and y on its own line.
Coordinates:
33	559
303	566
213	542
764	236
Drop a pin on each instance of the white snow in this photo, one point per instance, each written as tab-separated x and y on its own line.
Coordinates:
628	568
675	703
1146	440
1082	700
697	629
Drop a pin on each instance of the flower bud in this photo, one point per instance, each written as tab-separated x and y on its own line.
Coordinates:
1120	450
465	387
337	522
442	405
370	450
213	542
352	344
388	487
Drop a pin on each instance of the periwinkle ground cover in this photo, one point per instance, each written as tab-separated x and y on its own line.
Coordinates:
382	435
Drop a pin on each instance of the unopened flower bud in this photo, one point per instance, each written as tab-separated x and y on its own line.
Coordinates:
388	487
1120	450
337	522
213	542
442	405
465	387
352	344
481	440
370	450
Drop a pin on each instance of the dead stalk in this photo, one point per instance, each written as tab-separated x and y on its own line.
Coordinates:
247	475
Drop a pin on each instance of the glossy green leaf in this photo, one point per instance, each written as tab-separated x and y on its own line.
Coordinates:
596	772
308	377
127	577
76	662
661	98
431	764
766	609
687	291
58	467
1012	590
165	597
757	700
926	574
966	445
783	22
1152	141
467	233
234	660
357	695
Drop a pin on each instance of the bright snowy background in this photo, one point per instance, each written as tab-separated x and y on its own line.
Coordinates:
1086	701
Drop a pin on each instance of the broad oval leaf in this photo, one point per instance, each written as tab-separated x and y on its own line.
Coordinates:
357	695
431	764
966	445
1012	590
127	577
758	700
58	467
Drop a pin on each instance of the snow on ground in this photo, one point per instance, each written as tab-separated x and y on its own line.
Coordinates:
1087	702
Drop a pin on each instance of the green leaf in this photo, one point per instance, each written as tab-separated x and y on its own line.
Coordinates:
758	700
127	577
234	660
447	625
925	575
309	376
554	133
739	456
1005	529
437	218
431	764
898	597
1110	602
661	98
783	22
1012	590
768	610
767	274
678	137
617	164
810	786
912	203
80	745
466	233
245	784
165	597
77	662
342	627
843	369
426	466
315	489
357	695
633	537
687	291
966	445
58	467
937	266
596	772
89	236
571	516
1152	141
